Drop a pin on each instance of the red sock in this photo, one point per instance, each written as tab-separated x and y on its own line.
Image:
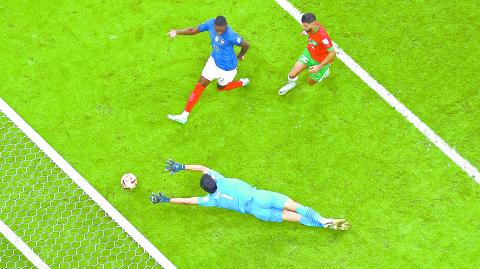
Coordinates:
197	92
232	85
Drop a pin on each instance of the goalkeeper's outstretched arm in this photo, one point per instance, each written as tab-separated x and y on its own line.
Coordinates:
161	198
185	201
174	167
197	167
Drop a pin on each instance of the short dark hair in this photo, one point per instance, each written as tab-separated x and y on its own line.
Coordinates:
208	184
220	21
308	17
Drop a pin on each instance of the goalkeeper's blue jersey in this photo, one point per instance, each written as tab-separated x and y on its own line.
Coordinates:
231	193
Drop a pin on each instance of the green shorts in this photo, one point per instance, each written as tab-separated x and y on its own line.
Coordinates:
306	59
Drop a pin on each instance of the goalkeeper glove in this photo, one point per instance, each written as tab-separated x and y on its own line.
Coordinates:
173	167
159	198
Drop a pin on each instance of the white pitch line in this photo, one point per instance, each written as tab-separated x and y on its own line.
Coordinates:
86	187
466	166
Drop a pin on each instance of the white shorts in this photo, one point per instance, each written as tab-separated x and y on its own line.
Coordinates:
211	71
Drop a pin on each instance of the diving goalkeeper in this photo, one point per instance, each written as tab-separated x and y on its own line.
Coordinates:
237	195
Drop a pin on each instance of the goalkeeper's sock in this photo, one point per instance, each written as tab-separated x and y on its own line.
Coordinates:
232	85
310	222
197	92
309	213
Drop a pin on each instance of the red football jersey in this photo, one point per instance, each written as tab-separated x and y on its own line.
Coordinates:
319	44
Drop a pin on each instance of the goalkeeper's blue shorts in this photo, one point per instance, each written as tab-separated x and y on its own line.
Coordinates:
267	205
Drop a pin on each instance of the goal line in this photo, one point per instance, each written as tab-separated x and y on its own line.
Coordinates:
13	127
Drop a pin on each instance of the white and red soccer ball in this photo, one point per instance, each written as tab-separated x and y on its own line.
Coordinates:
129	181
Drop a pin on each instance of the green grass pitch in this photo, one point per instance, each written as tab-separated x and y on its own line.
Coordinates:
97	78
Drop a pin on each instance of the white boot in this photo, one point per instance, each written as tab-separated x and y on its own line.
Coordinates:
182	118
290	85
244	81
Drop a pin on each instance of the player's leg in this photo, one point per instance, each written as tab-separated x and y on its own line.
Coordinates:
305	211
335	224
266	214
291	216
270	199
292	77
196	93
310	217
266	202
275	207
276	215
311	82
320	75
226	83
209	73
298	67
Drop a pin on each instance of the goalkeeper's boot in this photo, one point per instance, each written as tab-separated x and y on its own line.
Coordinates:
178	118
290	85
338	224
245	81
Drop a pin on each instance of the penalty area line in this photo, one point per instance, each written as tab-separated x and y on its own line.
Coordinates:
465	165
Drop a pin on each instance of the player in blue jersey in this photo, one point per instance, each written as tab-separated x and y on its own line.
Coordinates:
237	195
222	63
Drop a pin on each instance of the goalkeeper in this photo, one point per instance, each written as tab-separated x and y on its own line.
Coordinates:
235	194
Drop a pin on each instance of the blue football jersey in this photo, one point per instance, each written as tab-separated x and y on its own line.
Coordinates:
222	45
231	193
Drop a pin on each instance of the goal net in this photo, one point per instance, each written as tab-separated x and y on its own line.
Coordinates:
51	209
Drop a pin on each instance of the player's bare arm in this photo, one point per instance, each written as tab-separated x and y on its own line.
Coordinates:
161	198
187	31
197	168
185	201
331	56
245	46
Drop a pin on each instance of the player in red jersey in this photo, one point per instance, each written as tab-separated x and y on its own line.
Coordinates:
317	56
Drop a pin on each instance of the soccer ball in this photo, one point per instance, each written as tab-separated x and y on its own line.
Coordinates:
129	181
